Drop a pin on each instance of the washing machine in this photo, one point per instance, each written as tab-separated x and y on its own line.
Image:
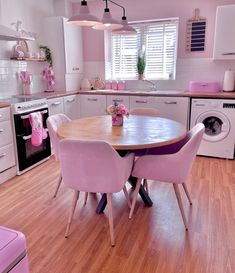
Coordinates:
218	116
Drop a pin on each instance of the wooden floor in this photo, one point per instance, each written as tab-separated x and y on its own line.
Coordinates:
153	241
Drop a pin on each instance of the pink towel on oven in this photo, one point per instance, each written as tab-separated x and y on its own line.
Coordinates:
38	132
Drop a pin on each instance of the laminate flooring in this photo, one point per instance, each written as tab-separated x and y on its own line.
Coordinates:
154	241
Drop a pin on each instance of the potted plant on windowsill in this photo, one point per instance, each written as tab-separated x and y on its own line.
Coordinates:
141	63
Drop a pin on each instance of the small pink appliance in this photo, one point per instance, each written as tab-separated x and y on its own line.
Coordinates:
13	255
204	86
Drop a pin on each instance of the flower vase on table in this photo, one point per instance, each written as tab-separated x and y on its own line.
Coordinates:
117	120
117	111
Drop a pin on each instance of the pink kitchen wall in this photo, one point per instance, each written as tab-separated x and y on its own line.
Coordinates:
136	10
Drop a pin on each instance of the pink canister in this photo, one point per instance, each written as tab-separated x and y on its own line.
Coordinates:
204	86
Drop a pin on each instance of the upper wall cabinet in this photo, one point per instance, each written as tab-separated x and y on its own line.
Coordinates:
224	43
65	42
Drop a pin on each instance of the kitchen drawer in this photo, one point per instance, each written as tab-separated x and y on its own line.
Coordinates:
141	102
92	105
5	133
55	106
7	157
5	114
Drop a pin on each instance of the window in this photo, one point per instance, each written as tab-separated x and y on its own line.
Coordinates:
159	38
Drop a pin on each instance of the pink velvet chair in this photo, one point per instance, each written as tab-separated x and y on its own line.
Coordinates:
171	168
151	112
94	166
53	123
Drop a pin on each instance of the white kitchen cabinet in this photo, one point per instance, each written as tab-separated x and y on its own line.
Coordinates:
92	105
65	42
175	108
55	106
224	41
119	99
71	106
7	154
141	102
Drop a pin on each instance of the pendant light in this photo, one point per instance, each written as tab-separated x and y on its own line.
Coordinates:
84	18
108	23
125	29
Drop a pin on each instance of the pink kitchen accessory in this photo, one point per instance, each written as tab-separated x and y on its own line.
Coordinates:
38	132
26	79
49	76
204	86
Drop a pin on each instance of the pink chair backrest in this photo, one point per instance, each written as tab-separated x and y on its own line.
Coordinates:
53	123
93	166
175	167
145	112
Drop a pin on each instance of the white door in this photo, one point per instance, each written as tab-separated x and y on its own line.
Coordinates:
119	99
92	105
55	106
141	102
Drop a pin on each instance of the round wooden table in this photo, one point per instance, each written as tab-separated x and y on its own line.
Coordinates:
137	132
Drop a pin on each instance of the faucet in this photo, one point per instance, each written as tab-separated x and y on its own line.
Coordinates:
153	85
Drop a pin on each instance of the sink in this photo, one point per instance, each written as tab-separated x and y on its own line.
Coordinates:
155	91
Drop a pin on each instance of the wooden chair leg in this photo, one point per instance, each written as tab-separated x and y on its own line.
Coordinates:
58	185
109	201
145	185
178	197
187	193
137	188
127	196
74	202
85	199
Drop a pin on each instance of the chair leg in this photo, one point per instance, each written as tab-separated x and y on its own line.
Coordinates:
74	202
58	185
178	197
137	188
85	199
109	201
127	196
187	193
145	185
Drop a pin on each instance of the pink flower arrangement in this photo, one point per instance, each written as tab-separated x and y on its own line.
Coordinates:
117	110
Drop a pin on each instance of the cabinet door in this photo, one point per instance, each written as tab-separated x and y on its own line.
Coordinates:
92	105
7	157
141	102
224	43
71	106
119	99
173	108
55	106
73	48
5	133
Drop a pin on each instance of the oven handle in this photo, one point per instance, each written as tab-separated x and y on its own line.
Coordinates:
27	116
30	136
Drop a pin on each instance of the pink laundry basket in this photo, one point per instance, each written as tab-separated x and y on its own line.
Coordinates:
13	255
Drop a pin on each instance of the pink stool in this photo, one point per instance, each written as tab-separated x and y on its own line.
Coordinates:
13	255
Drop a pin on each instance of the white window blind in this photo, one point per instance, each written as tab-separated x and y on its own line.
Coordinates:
159	39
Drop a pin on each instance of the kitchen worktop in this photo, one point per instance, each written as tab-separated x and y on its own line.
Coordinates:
134	92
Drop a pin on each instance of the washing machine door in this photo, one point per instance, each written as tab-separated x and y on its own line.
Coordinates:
217	125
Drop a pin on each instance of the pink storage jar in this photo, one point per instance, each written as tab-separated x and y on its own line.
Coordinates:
204	86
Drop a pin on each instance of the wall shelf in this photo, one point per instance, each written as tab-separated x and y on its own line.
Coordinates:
28	59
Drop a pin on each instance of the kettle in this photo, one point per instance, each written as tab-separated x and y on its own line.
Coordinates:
85	84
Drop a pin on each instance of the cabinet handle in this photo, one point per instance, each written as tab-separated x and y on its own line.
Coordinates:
92	99
70	100
27	137
56	103
141	101
117	100
27	116
170	102
2	155
75	68
1	130
228	53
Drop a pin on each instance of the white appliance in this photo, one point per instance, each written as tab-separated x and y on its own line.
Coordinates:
218	116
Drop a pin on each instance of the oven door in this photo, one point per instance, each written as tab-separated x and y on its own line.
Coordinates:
27	154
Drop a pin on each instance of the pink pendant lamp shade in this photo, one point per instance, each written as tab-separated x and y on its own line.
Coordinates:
125	29
84	18
108	23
